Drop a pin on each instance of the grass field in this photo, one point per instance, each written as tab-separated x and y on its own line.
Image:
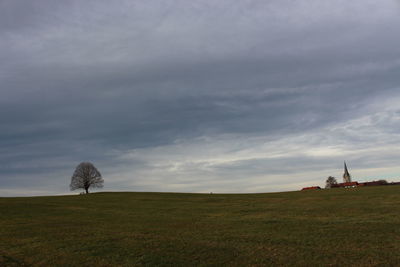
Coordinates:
337	227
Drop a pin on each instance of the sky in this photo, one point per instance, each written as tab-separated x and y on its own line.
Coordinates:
198	96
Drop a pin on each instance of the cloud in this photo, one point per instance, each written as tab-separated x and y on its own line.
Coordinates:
240	163
190	96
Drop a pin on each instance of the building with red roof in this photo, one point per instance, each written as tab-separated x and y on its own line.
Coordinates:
311	188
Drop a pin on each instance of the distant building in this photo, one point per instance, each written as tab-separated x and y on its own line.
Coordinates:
346	185
346	175
311	188
375	183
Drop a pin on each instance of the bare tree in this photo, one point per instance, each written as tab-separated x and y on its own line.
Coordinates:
383	182
330	181
86	175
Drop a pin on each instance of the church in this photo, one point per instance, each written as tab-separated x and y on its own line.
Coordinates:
347	183
346	175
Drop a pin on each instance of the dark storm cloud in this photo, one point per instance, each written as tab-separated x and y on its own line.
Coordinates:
94	80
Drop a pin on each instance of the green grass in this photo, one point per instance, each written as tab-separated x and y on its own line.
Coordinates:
337	227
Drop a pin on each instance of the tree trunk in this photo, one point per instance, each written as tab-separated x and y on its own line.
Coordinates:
87	190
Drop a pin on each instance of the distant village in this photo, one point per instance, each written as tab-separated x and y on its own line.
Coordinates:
331	182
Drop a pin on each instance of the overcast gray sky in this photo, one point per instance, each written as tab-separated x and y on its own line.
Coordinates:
198	96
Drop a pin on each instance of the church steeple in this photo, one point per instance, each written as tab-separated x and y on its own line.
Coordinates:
346	175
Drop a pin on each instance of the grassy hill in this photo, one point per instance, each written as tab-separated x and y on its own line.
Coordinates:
337	227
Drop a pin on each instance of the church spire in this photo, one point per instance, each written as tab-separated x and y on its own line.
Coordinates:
346	175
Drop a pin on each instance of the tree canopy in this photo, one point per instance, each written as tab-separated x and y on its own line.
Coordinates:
86	176
330	181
